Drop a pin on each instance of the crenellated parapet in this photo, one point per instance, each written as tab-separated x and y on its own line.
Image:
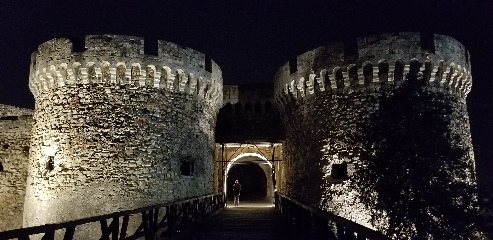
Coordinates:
451	79
381	63
120	60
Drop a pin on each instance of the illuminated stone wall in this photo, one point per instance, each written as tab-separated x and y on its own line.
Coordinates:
332	96
15	134
114	128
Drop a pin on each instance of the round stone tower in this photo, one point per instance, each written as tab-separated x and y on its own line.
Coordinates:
117	129
377	129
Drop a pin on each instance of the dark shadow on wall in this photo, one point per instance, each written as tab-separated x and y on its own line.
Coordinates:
303	158
417	160
252	179
248	122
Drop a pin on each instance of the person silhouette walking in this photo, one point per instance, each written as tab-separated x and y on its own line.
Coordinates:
236	193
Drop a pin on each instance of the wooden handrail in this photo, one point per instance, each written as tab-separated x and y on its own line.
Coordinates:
149	213
356	229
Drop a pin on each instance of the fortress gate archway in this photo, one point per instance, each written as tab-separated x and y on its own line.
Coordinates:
257	158
251	159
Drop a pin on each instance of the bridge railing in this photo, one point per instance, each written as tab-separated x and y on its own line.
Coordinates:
321	224
157	221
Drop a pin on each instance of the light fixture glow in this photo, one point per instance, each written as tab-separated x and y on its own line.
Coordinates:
49	150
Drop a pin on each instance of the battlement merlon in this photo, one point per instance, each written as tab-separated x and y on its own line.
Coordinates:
114	59
121	48
382	59
8	110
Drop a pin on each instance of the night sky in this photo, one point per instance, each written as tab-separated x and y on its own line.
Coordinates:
251	39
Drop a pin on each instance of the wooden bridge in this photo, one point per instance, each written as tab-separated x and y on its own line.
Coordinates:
208	217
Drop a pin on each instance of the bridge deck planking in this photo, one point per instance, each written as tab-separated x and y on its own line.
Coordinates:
248	221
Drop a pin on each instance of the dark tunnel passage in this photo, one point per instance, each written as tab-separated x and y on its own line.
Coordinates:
252	179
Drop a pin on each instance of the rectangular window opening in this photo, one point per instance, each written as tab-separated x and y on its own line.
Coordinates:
427	42
351	48
339	171
50	164
293	65
208	64
187	168
150	47
11	118
78	44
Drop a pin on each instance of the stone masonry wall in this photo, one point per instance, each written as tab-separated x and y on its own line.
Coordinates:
328	99
115	129
15	134
248	114
322	132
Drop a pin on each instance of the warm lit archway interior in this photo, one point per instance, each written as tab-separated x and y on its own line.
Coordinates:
254	173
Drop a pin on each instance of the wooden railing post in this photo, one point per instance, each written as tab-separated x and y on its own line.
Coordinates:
149	224
154	222
114	227
123	231
104	230
69	233
186	214
203	207
49	235
172	220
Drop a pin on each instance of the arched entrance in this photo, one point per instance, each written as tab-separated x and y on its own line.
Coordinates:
254	173
252	179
